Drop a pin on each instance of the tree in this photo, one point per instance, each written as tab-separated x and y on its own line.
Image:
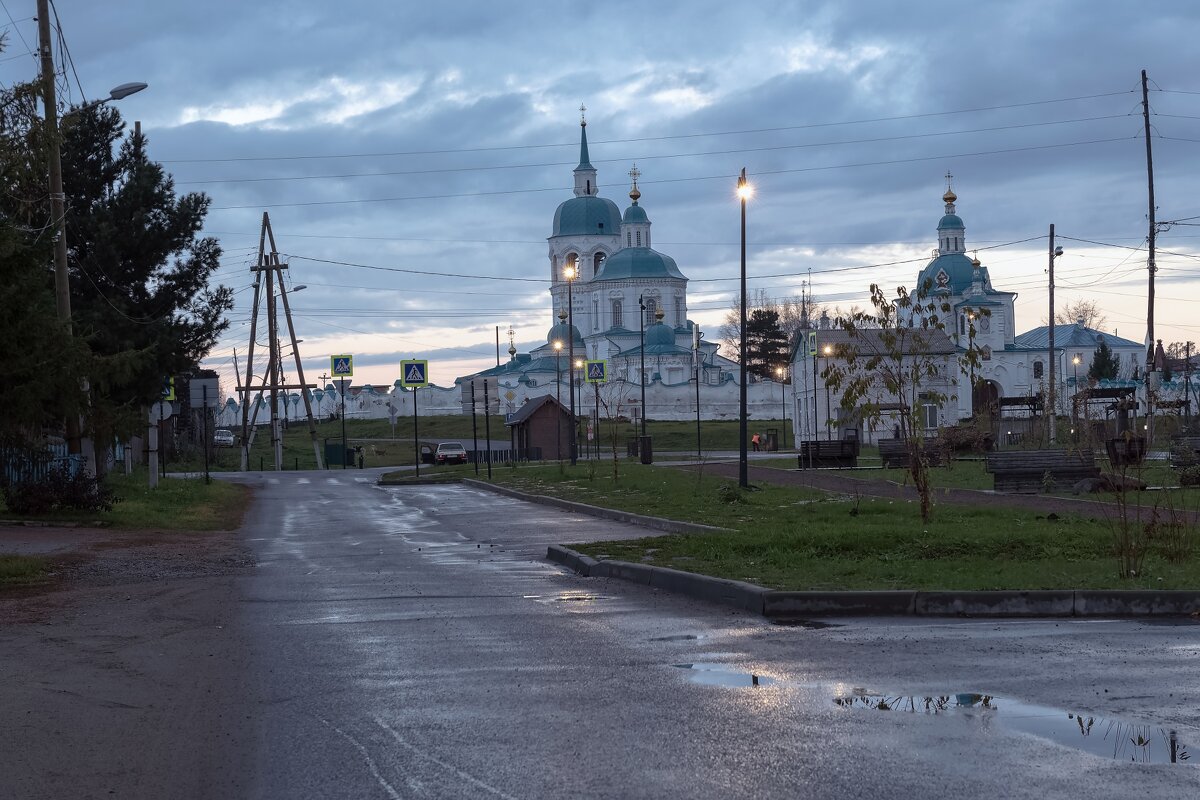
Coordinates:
1105	364
791	313
766	343
1086	310
897	360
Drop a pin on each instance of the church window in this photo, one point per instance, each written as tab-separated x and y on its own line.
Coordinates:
962	325
616	313
1038	369
595	315
651	309
639	238
679	312
628	239
572	262
597	262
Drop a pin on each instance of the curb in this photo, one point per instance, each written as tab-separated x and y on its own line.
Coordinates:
645	521
777	604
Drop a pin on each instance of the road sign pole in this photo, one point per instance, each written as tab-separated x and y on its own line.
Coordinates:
487	424
152	446
204	412
416	434
344	443
474	430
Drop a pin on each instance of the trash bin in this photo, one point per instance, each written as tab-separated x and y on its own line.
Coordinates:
426	454
646	449
772	440
631	447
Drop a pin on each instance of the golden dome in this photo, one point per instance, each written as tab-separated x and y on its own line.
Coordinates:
975	262
949	196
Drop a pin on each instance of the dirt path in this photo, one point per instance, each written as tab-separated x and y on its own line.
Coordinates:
121	679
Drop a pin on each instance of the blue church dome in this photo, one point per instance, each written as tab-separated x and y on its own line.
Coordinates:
951	221
659	334
562	332
638	262
587	215
635	214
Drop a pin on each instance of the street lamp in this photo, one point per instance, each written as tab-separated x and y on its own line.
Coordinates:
828	411
62	284
744	192
779	372
569	274
642	333
577	364
558	397
1075	359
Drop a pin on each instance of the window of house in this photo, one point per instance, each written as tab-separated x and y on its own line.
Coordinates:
929	412
1038	369
616	313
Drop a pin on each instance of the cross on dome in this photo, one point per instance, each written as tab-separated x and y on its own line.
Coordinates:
583	115
634	174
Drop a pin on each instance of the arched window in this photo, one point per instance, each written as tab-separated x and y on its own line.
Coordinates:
651	309
616	313
679	320
628	239
572	262
639	238
597	263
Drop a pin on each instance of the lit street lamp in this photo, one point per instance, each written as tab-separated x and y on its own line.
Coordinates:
744	192
1075	359
828	411
558	397
569	273
642	381
779	373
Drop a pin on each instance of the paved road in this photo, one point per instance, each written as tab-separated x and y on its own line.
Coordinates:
410	642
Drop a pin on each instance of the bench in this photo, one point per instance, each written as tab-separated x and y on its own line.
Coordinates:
895	453
1025	471
828	453
1185	451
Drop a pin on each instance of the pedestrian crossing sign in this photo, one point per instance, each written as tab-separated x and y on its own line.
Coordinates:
168	389
341	366
414	374
597	371
812	343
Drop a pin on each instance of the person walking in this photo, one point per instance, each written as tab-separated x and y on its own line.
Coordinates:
755	440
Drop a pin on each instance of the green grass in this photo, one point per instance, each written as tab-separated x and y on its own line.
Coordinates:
803	540
22	570
176	504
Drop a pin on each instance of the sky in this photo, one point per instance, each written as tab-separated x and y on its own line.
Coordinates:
410	156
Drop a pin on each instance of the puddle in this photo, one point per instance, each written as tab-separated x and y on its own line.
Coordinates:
680	637
1103	736
811	624
721	675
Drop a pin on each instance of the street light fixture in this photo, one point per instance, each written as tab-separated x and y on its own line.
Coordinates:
828	351
558	397
642	379
779	373
744	192
1075	359
569	274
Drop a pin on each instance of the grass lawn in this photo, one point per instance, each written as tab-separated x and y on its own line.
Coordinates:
21	570
800	539
176	504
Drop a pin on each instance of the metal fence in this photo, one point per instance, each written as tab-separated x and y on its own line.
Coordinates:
22	465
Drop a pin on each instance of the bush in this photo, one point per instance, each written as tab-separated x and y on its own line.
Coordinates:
966	437
1189	476
729	493
58	490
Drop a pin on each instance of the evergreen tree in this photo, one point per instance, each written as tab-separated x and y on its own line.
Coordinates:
766	343
1105	364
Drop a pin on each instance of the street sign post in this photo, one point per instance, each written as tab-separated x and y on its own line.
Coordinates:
414	373
597	371
158	412
341	366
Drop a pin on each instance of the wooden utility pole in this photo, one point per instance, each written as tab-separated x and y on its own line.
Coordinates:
1150	265
272	268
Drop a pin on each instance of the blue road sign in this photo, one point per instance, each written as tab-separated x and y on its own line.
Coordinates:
341	366
812	343
597	371
414	373
168	389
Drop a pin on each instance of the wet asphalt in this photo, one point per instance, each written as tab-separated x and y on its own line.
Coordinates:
412	642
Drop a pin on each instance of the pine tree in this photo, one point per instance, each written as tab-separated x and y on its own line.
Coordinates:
1105	364
766	343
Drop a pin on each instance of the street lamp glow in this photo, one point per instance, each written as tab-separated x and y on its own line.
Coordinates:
828	349
1076	360
744	190
569	272
558	346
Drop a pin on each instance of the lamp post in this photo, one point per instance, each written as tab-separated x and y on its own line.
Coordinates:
779	372
558	398
642	380
569	273
744	191
828	411
1054	253
576	366
1075	359
58	210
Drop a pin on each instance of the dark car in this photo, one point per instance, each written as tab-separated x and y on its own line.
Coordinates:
450	453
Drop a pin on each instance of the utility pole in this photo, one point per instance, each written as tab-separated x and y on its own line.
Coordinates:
58	205
1050	409
270	266
1150	264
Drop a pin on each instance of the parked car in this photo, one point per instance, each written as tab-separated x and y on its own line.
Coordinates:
450	453
223	437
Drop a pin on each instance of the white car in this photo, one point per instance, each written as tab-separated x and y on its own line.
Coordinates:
450	453
223	437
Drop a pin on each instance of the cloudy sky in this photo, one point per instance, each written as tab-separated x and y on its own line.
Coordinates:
411	155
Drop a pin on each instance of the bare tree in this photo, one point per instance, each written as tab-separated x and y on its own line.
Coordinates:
791	310
1086	310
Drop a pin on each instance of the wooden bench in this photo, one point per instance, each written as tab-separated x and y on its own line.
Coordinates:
895	453
829	453
1185	451
1025	471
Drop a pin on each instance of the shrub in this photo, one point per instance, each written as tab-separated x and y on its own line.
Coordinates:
59	489
1189	476
729	493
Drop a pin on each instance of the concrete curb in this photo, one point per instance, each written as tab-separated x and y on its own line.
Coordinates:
783	605
655	523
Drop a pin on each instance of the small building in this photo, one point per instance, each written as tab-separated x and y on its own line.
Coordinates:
540	430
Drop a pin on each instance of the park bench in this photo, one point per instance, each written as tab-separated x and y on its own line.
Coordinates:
895	454
1185	451
828	453
1026	471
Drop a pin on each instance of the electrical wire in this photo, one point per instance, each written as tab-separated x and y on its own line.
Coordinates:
20	35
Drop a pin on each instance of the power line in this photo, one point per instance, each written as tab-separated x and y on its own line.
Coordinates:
14	24
498	192
503	148
701	154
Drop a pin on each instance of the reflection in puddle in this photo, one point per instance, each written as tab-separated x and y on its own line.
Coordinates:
812	624
1124	741
722	675
679	637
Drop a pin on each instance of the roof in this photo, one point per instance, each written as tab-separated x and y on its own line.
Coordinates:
960	274
1073	335
563	332
638	262
529	407
635	214
587	215
951	221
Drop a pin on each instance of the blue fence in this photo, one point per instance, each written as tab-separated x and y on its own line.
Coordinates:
21	465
